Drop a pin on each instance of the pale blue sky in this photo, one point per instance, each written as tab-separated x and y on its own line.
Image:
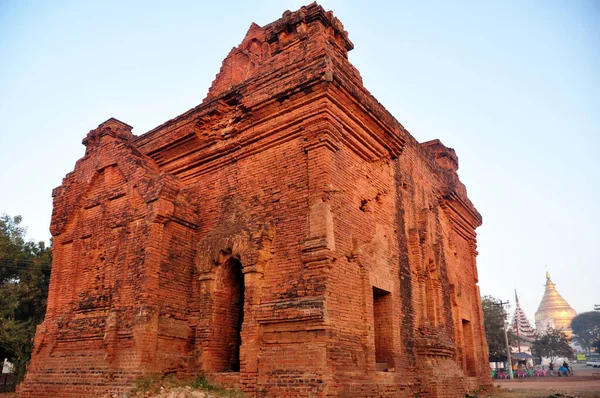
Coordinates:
514	87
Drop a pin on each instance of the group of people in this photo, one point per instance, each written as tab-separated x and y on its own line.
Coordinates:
564	370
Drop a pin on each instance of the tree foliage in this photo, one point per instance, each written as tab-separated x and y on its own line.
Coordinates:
494	317
586	329
552	344
24	279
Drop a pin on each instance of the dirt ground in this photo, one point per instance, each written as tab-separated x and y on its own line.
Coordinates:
582	384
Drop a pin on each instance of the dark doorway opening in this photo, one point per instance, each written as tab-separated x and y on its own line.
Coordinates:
229	316
236	312
468	348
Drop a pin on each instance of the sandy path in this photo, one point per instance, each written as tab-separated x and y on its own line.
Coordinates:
583	383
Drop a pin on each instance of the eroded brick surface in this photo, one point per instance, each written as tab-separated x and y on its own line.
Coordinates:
287	235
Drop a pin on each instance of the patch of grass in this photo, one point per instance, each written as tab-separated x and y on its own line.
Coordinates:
200	382
154	382
149	383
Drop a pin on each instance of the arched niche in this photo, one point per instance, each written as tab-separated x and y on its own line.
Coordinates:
228	312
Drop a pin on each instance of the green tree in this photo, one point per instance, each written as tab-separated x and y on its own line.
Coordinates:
24	279
494	317
586	329
552	344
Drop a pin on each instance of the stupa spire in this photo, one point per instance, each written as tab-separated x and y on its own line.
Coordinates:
520	324
553	311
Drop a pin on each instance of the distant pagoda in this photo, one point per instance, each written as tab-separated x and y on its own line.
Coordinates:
520	325
554	311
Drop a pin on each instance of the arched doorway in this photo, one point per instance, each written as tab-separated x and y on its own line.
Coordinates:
229	315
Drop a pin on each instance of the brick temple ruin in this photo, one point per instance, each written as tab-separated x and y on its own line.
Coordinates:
287	235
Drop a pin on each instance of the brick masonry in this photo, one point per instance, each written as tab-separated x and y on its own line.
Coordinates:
287	235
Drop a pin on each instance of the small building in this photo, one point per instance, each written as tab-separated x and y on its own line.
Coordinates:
7	366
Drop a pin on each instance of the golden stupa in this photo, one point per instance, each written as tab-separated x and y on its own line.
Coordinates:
554	311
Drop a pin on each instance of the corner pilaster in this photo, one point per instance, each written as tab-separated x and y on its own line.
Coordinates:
321	145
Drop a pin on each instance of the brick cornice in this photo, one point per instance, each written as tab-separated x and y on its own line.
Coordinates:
320	120
369	130
303	309
464	218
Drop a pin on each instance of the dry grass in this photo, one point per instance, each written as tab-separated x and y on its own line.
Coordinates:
161	386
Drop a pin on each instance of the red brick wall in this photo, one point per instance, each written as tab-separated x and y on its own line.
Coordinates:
107	306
